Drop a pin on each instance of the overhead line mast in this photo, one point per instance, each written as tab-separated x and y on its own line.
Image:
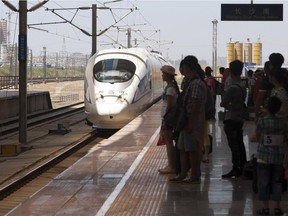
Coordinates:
22	58
214	46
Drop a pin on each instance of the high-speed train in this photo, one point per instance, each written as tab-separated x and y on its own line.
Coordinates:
120	84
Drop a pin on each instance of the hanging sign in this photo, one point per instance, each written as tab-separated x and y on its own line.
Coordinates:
22	47
252	12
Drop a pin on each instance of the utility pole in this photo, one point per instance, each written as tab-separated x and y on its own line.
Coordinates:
22	58
56	67
15	60
214	46
31	65
94	29
44	63
129	38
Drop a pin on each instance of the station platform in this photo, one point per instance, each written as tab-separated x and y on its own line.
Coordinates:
119	176
9	102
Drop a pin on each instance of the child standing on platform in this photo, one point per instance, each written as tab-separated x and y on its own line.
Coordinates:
270	133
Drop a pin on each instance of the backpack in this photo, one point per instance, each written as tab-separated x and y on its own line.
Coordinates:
209	105
176	117
172	116
218	87
245	108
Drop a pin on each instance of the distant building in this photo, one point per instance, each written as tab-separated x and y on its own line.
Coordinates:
3	40
3	32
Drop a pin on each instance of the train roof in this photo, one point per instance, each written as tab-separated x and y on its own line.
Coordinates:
141	52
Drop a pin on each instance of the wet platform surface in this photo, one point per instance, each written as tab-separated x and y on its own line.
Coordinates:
119	177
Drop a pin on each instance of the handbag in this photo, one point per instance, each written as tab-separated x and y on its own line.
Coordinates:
160	141
176	117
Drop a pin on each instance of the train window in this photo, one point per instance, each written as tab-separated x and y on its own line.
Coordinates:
114	70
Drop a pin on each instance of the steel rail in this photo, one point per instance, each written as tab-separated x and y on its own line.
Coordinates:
17	184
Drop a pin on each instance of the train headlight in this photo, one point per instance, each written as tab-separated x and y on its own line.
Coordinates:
99	97
122	98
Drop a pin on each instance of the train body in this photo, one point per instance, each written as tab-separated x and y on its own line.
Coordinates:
120	84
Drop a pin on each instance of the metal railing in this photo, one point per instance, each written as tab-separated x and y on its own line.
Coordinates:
65	98
9	82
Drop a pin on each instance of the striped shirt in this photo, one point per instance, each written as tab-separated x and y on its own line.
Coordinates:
271	125
195	90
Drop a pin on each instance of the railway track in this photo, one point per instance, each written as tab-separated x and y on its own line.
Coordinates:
21	178
11	125
23	185
22	188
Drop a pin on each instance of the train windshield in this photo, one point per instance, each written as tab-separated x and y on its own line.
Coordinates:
114	70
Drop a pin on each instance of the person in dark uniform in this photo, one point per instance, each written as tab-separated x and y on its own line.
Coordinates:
233	102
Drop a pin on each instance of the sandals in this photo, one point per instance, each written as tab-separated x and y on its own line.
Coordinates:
166	170
263	211
192	180
178	178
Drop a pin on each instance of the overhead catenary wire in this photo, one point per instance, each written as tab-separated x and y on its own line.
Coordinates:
140	35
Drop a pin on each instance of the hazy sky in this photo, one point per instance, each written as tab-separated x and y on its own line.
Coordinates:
175	28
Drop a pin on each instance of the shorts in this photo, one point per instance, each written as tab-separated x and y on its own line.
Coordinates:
188	141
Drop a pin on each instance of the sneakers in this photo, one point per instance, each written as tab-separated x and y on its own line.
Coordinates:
183	179
166	170
232	174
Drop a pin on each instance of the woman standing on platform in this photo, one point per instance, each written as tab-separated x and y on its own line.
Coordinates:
191	137
170	96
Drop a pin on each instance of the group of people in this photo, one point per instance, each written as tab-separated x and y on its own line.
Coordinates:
271	109
187	154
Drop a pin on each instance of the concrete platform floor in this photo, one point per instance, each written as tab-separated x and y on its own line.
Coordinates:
119	177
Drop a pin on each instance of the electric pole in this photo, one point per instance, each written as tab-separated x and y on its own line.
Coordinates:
129	38
44	63
214	46
22	58
94	29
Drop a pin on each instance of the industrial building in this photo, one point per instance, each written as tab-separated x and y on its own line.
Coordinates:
249	53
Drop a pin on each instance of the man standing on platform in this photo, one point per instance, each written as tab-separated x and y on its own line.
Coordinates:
233	102
212	85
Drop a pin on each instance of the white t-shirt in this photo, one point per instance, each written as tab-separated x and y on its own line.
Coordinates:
170	90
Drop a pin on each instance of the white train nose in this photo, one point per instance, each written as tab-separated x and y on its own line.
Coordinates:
110	105
110	109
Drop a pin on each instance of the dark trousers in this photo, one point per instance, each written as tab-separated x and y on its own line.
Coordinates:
270	181
214	106
177	163
234	134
